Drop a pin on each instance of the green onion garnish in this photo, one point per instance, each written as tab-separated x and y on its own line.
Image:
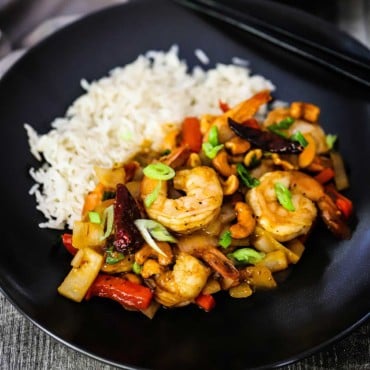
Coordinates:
247	255
211	151
282	125
246	177
150	229
107	221
331	140
151	198
159	171
297	136
213	136
113	256
284	196
136	268
212	146
225	239
94	217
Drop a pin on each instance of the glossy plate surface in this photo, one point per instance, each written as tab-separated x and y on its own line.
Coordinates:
324	297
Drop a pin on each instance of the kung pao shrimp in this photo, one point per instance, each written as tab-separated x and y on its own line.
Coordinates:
227	204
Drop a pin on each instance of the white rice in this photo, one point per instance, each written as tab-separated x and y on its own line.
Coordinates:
111	121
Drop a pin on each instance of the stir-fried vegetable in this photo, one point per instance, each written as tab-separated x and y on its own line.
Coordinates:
230	204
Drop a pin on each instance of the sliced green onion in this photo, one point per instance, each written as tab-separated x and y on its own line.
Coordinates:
246	177
213	136
282	125
136	268
152	197
330	140
284	196
107	221
225	239
159	171
297	136
112	256
247	255
150	229
94	217
211	151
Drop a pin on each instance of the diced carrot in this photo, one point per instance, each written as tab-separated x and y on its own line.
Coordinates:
93	199
205	301
191	134
325	175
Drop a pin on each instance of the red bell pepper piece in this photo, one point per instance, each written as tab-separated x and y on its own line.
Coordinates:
344	204
205	301
191	135
325	175
67	242
128	294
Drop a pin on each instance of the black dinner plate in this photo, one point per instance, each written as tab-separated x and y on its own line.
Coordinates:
323	298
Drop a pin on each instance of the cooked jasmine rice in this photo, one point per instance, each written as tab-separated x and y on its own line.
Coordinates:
117	115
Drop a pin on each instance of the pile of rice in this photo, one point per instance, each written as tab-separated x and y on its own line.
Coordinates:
117	114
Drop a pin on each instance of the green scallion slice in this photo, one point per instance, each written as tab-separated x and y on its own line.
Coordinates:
247	256
136	268
331	140
152	197
225	239
94	217
246	177
297	136
213	136
159	171
278	127
108	217
150	229
284	196
211	151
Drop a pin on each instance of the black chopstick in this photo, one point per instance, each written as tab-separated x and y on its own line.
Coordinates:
332	59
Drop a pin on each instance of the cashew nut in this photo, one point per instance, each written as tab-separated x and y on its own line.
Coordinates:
246	222
236	145
150	268
221	164
230	185
194	160
280	162
147	252
252	155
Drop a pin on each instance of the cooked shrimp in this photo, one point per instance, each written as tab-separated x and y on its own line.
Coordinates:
195	210
184	283
315	130
240	113
307	193
283	224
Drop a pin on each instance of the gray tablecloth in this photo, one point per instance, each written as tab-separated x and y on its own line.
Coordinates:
24	346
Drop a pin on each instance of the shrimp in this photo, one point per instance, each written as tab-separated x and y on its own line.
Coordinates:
193	211
180	286
240	113
299	125
285	225
204	247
